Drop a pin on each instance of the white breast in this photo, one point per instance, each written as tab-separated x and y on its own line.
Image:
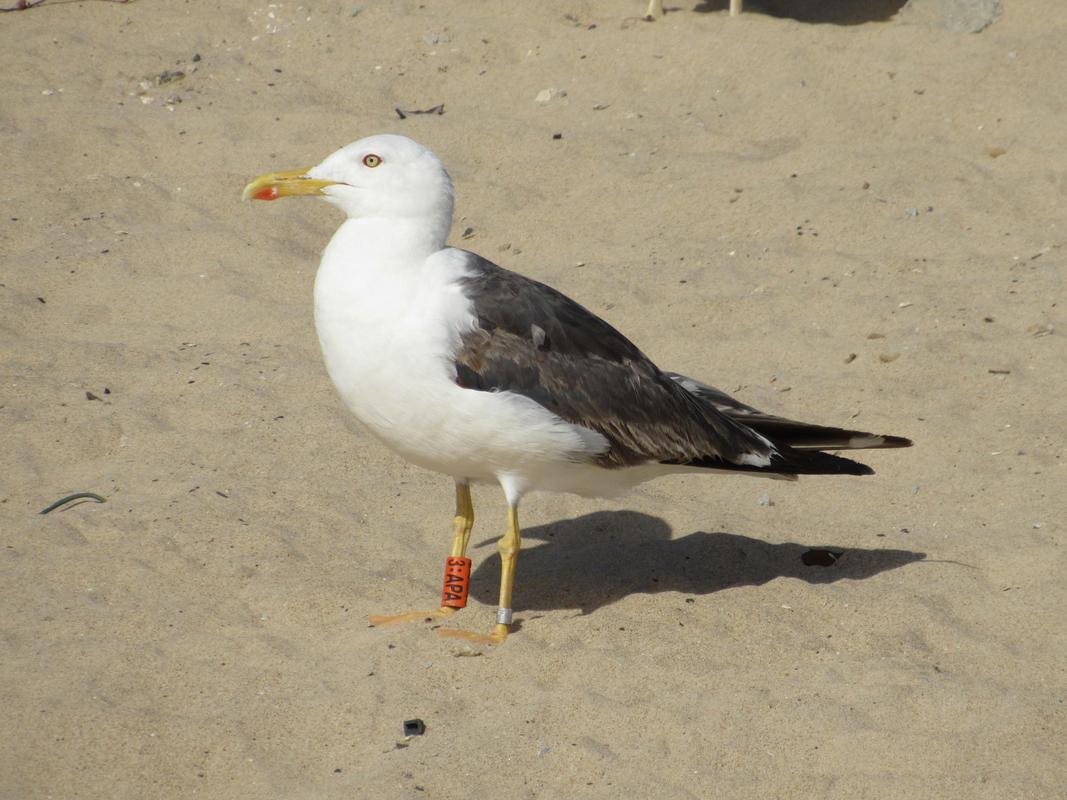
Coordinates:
389	329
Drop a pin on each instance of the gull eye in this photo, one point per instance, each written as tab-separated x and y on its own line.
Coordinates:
371	160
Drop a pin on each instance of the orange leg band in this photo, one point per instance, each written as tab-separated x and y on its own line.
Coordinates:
457	582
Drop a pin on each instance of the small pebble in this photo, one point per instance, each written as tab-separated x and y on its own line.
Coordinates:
548	95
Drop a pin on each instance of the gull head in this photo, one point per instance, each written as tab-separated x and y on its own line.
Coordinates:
384	176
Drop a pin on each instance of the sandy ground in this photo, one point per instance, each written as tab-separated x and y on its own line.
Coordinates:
858	224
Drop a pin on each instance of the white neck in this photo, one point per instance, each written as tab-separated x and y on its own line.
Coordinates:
394	241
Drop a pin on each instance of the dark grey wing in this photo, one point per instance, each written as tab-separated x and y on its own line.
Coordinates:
535	341
798	435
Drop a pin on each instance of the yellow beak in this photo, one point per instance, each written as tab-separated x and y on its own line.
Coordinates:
283	184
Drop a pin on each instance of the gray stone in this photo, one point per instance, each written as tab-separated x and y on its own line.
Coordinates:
956	16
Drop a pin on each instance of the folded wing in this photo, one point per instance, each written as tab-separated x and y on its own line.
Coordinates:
534	341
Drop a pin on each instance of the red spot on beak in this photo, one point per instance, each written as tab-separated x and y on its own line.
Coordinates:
267	193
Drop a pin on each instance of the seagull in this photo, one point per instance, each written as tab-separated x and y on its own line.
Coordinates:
468	369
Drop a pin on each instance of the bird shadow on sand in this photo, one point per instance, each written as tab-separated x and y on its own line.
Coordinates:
833	12
597	559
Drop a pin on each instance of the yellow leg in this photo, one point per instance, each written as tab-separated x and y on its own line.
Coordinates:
509	546
463	522
461	536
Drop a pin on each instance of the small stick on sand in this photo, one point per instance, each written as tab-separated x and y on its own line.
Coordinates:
735	7
77	496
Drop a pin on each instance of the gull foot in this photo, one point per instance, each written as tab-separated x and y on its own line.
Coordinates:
499	634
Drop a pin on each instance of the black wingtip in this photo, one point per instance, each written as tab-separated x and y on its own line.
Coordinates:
896	441
815	462
789	462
